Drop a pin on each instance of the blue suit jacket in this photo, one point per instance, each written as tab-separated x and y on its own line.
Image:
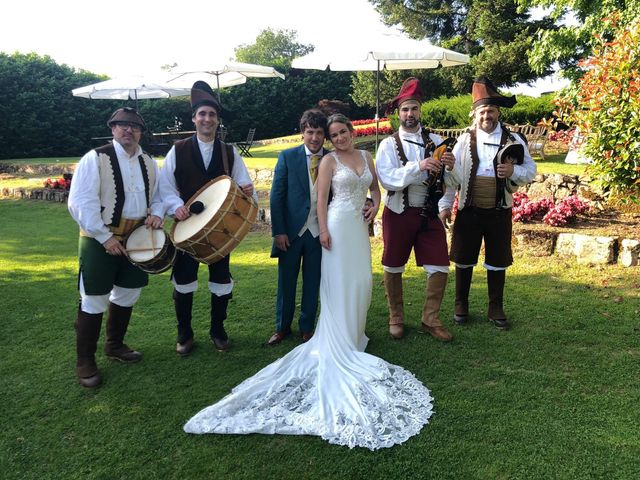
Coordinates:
290	194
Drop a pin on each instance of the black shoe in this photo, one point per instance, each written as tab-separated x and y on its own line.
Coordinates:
500	323
220	344
460	319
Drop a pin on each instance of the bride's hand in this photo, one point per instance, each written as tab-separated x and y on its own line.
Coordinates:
325	240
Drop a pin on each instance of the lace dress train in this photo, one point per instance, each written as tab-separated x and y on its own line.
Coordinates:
329	386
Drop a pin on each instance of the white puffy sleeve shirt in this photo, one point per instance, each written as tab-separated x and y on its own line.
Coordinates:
84	196
168	187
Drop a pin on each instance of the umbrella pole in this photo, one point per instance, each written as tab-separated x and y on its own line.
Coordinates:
377	102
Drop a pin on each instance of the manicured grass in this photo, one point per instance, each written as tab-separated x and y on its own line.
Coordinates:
555	164
555	397
42	161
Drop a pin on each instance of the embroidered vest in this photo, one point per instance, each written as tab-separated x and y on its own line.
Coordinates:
112	193
429	146
190	172
500	183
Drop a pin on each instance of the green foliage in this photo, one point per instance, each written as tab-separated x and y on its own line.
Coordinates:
276	48
567	43
454	112
38	115
529	110
608	106
495	33
447	112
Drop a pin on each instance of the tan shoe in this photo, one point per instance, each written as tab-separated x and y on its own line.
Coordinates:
185	348
439	333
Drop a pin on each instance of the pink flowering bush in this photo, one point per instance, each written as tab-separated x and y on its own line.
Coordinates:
545	209
565	211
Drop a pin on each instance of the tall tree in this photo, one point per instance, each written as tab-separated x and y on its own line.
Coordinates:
578	27
276	48
496	33
272	106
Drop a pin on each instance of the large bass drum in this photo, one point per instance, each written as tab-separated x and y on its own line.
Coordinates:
226	216
150	249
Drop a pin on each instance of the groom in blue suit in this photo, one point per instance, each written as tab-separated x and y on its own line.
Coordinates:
294	226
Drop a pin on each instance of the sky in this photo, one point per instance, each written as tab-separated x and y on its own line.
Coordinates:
138	37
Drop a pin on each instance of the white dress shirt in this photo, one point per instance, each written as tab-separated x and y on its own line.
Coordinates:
312	219
84	197
168	187
395	177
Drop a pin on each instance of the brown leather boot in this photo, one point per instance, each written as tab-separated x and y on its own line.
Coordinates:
495	286
431	324
117	324
463	286
393	288
87	327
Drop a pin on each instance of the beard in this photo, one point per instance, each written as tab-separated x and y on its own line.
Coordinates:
409	123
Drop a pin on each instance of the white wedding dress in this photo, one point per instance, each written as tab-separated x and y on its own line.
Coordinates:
329	386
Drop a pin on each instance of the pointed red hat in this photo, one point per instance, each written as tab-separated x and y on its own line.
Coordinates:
484	92
410	90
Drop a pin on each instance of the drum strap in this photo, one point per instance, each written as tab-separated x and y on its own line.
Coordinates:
225	158
145	178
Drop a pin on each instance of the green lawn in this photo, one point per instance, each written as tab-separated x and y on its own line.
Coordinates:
556	397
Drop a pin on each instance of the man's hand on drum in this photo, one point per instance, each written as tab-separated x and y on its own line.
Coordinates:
154	221
282	241
114	247
247	189
182	213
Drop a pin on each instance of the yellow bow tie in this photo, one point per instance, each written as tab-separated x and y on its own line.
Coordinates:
313	167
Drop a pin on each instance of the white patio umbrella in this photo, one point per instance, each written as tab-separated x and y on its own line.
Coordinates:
390	51
221	74
133	87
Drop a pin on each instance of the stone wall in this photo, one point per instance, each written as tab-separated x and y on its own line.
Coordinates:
589	249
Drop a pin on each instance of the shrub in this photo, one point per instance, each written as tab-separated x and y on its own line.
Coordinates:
606	110
454	112
565	211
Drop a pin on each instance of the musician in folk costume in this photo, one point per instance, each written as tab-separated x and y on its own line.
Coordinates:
409	172
114	190
491	162
189	165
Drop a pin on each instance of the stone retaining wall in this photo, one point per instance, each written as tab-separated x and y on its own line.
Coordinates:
587	249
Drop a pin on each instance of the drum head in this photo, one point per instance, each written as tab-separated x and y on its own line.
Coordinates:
145	243
212	197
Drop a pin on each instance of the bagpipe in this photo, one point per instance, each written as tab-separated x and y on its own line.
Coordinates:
435	183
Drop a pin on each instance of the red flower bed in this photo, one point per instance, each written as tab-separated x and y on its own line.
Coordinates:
63	183
546	210
364	131
365	122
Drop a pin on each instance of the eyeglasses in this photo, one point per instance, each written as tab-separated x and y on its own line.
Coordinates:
126	125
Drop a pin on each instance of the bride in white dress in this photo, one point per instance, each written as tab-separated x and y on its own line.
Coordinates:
329	386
